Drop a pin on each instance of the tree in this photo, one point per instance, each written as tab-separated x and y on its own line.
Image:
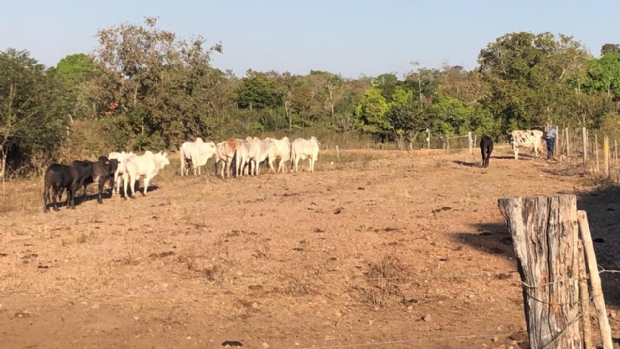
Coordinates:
158	89
28	119
526	76
74	73
371	110
258	91
610	48
604	74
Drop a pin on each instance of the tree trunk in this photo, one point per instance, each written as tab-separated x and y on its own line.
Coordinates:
3	163
545	236
288	116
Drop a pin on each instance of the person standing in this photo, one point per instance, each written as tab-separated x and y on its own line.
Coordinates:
551	134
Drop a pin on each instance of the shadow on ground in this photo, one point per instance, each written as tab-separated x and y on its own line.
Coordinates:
82	197
603	208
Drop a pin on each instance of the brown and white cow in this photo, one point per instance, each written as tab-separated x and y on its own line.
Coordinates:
529	139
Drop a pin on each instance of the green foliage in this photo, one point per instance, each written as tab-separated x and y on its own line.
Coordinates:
526	77
604	74
30	102
258	91
371	111
145	88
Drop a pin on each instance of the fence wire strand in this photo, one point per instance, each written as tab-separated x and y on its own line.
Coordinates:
412	340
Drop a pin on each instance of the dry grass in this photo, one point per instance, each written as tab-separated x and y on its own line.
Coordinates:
359	251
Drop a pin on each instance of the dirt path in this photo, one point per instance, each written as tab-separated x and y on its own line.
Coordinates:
407	250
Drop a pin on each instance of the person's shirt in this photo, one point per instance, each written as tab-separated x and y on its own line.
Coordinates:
551	133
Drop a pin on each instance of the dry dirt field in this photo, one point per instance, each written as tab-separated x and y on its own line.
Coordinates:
382	250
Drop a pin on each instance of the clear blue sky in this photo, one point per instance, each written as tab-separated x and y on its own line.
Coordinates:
350	37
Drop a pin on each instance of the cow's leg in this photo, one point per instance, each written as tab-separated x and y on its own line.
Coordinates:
516	153
126	179
146	184
46	197
133	185
56	202
100	189
297	165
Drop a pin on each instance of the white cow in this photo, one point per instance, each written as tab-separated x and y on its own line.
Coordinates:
282	151
146	165
118	175
525	139
224	153
247	154
302	149
198	153
267	153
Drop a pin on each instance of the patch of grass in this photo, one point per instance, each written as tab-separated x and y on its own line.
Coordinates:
383	278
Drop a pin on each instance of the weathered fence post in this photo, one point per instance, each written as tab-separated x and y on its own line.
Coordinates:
596	153
585	299
428	138
585	145
606	154
567	145
545	238
595	280
447	144
470	142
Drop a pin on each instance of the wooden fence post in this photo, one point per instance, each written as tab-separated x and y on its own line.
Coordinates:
584	297
428	138
545	238
595	280
567	145
470	142
447	144
606	154
596	152
585	145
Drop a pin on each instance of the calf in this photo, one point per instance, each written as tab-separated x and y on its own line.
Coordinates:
70	177
486	148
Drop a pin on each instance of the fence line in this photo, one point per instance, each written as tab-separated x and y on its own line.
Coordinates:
232	284
412	340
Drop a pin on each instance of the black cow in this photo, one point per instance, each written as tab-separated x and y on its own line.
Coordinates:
103	170
70	177
486	148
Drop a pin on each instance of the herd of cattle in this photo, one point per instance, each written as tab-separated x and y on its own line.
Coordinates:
243	155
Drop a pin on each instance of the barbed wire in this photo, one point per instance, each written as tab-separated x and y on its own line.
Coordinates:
244	284
412	340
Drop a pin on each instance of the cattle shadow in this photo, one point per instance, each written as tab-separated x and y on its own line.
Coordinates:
91	194
563	170
491	238
603	209
467	164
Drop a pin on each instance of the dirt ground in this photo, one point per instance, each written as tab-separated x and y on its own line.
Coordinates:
382	250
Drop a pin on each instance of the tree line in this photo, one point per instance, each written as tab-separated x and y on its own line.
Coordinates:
146	88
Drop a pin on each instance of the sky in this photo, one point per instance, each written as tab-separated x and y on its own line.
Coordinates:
348	37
